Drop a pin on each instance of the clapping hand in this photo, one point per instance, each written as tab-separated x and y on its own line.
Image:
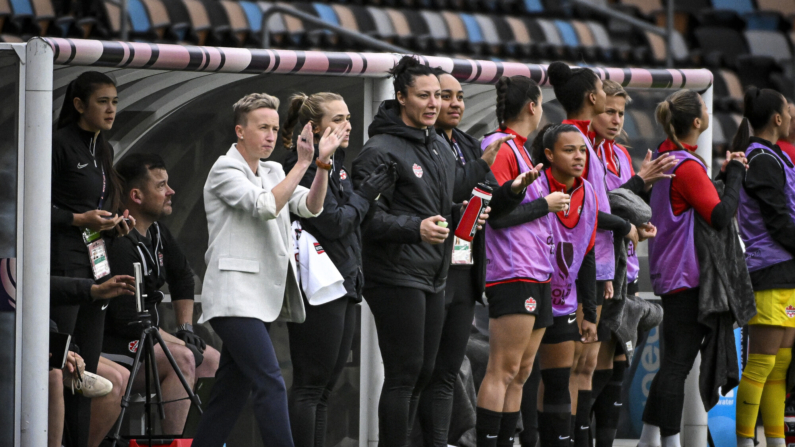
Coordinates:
652	171
331	140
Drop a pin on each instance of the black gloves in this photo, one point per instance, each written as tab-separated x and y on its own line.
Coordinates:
381	179
194	343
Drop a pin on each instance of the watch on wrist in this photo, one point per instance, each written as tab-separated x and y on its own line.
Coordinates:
187	327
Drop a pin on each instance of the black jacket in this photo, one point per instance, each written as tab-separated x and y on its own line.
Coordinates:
338	227
503	201
393	252
77	185
162	262
765	181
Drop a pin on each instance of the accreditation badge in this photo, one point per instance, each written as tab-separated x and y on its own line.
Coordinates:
97	253
462	251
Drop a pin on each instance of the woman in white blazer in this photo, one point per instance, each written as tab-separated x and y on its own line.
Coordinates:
251	274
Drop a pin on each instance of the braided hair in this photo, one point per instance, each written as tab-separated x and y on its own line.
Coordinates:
513	94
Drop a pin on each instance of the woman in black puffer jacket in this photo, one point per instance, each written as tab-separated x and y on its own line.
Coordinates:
406	252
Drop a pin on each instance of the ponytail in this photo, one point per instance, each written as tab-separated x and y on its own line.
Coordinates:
304	109
296	102
571	85
676	114
513	94
759	106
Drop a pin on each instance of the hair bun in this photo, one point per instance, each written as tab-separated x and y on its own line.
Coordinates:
559	73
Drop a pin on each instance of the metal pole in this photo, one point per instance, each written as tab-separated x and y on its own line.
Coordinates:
358	37
669	28
694	416
371	372
33	296
123	31
637	23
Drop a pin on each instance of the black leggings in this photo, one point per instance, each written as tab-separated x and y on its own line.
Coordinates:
409	326
319	349
86	323
436	403
682	336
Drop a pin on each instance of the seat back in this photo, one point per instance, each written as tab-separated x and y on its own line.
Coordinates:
784	7
326	13
199	19
738	6
238	22
567	33
455	24
489	29
383	23
276	23
364	19
472	27
113	14
733	84
646	7
43	9
158	14
346	18
725	40
436	24
551	34
253	15
584	34
399	22
138	16
21	8
657	45
533	6
768	43
600	35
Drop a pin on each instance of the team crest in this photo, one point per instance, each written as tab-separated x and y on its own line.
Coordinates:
133	346
530	304
343	174
318	248
790	311
417	170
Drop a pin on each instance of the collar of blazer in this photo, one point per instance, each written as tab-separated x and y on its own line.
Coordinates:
235	154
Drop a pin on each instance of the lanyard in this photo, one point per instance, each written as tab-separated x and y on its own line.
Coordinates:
457	149
102	197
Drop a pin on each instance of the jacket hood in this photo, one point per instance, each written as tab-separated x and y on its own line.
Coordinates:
387	121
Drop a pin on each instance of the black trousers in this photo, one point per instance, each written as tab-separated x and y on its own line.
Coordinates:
248	364
682	337
436	402
86	323
409	326
319	349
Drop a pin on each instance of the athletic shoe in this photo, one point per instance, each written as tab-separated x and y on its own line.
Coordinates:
89	384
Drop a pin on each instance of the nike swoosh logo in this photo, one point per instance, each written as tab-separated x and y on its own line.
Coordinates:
584	428
561	437
572	320
490	437
81	165
618	404
105	306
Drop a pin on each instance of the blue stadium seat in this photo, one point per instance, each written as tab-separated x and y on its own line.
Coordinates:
739	6
138	18
254	15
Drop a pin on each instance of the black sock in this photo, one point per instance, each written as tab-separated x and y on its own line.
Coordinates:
529	436
583	420
507	429
555	428
599	381
607	407
487	427
573	429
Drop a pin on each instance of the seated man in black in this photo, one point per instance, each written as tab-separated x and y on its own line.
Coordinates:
148	197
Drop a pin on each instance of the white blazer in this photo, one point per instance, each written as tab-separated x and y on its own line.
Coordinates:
251	268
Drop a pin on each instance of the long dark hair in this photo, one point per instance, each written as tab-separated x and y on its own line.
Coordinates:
677	112
404	72
513	93
83	87
759	105
571	85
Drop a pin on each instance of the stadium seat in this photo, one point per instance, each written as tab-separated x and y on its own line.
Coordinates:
720	46
383	24
556	46
403	34
277	29
5	12
659	48
239	28
760	71
458	32
609	52
494	45
21	15
475	42
111	18
364	20
769	43
159	20
180	19
532	6
573	49
421	33
784	7
646	8
516	35
741	7
254	17
440	36
200	25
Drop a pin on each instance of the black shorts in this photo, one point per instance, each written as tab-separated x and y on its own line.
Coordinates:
120	349
564	328
600	292
523	298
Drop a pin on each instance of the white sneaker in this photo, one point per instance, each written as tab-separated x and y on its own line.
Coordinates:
89	385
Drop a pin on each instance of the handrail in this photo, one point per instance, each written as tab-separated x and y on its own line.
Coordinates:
637	23
359	37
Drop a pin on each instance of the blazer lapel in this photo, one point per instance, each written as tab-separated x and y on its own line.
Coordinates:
263	170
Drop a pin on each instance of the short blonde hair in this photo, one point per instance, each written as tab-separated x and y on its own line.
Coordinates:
613	88
251	102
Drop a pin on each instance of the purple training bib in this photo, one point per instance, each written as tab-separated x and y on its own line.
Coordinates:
673	262
761	250
571	245
522	251
614	182
605	254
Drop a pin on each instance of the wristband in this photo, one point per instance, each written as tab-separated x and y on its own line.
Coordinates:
187	327
322	165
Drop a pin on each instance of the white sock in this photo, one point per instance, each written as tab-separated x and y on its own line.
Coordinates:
774	441
742	441
650	436
671	441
